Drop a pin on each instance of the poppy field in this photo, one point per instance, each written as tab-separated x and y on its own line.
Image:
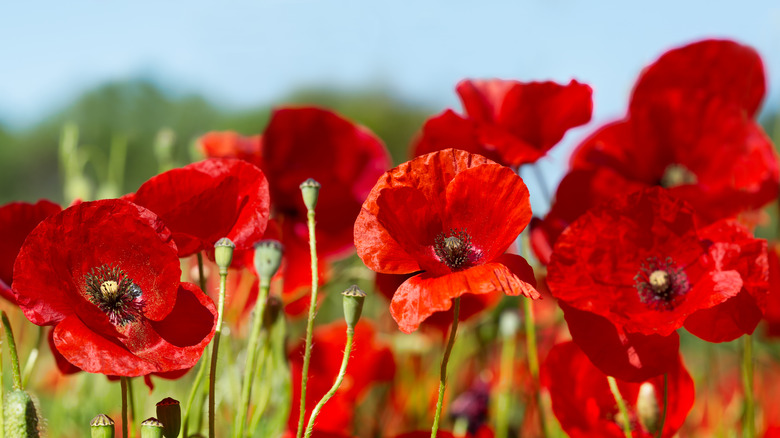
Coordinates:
301	282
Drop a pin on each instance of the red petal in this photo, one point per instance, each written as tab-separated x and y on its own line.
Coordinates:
208	200
430	174
230	144
17	219
493	217
449	130
422	295
49	274
714	69
627	356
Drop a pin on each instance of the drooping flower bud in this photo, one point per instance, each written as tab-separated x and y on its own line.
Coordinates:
268	257
273	308
20	415
223	253
353	305
647	409
152	428
169	414
310	189
102	426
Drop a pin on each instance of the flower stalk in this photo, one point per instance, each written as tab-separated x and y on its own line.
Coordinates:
660	431
625	423
123	384
223	255
310	192
747	383
508	325
9	335
444	360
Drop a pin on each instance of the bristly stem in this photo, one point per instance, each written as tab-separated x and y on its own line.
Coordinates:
251	359
131	404
444	360
625	423
215	351
9	335
533	361
185	422
123	384
747	383
336	384
32	358
201	275
660	431
310	321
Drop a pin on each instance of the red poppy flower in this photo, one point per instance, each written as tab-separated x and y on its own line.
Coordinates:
206	201
301	143
510	122
640	268
106	275
584	405
772	312
373	363
17	219
433	215
691	128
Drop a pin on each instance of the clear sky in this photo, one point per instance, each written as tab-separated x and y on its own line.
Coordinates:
245	53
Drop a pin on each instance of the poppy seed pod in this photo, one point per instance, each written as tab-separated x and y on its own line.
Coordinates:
20	415
152	428
169	414
310	189
102	426
268	257
223	253
647	408
353	305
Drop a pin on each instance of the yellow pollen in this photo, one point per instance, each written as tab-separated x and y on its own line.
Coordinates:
659	280
109	288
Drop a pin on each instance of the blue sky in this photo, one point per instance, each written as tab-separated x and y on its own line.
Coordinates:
245	53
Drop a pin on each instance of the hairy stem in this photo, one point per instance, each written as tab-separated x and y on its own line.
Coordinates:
444	360
310	321
9	335
336	384
215	351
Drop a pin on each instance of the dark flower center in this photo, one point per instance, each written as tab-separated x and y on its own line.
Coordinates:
661	284
109	288
677	175
454	249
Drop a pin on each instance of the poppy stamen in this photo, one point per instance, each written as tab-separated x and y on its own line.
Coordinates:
113	292
677	175
455	250
661	284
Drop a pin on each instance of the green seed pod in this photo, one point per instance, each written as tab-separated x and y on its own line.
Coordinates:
268	257
20	415
353	305
169	414
223	253
310	190
102	426
647	408
509	323
151	428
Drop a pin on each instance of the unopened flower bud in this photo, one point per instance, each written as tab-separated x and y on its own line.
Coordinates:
353	305
268	257
310	189
647	409
169	414
273	308
223	253
20	415
102	426
152	428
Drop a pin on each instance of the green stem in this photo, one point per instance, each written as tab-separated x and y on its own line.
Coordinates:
444	360
508	348
201	275
215	351
626	423
660	431
9	334
336	384
265	394
251	358
533	360
123	383
32	358
191	399
310	321
131	403
747	383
